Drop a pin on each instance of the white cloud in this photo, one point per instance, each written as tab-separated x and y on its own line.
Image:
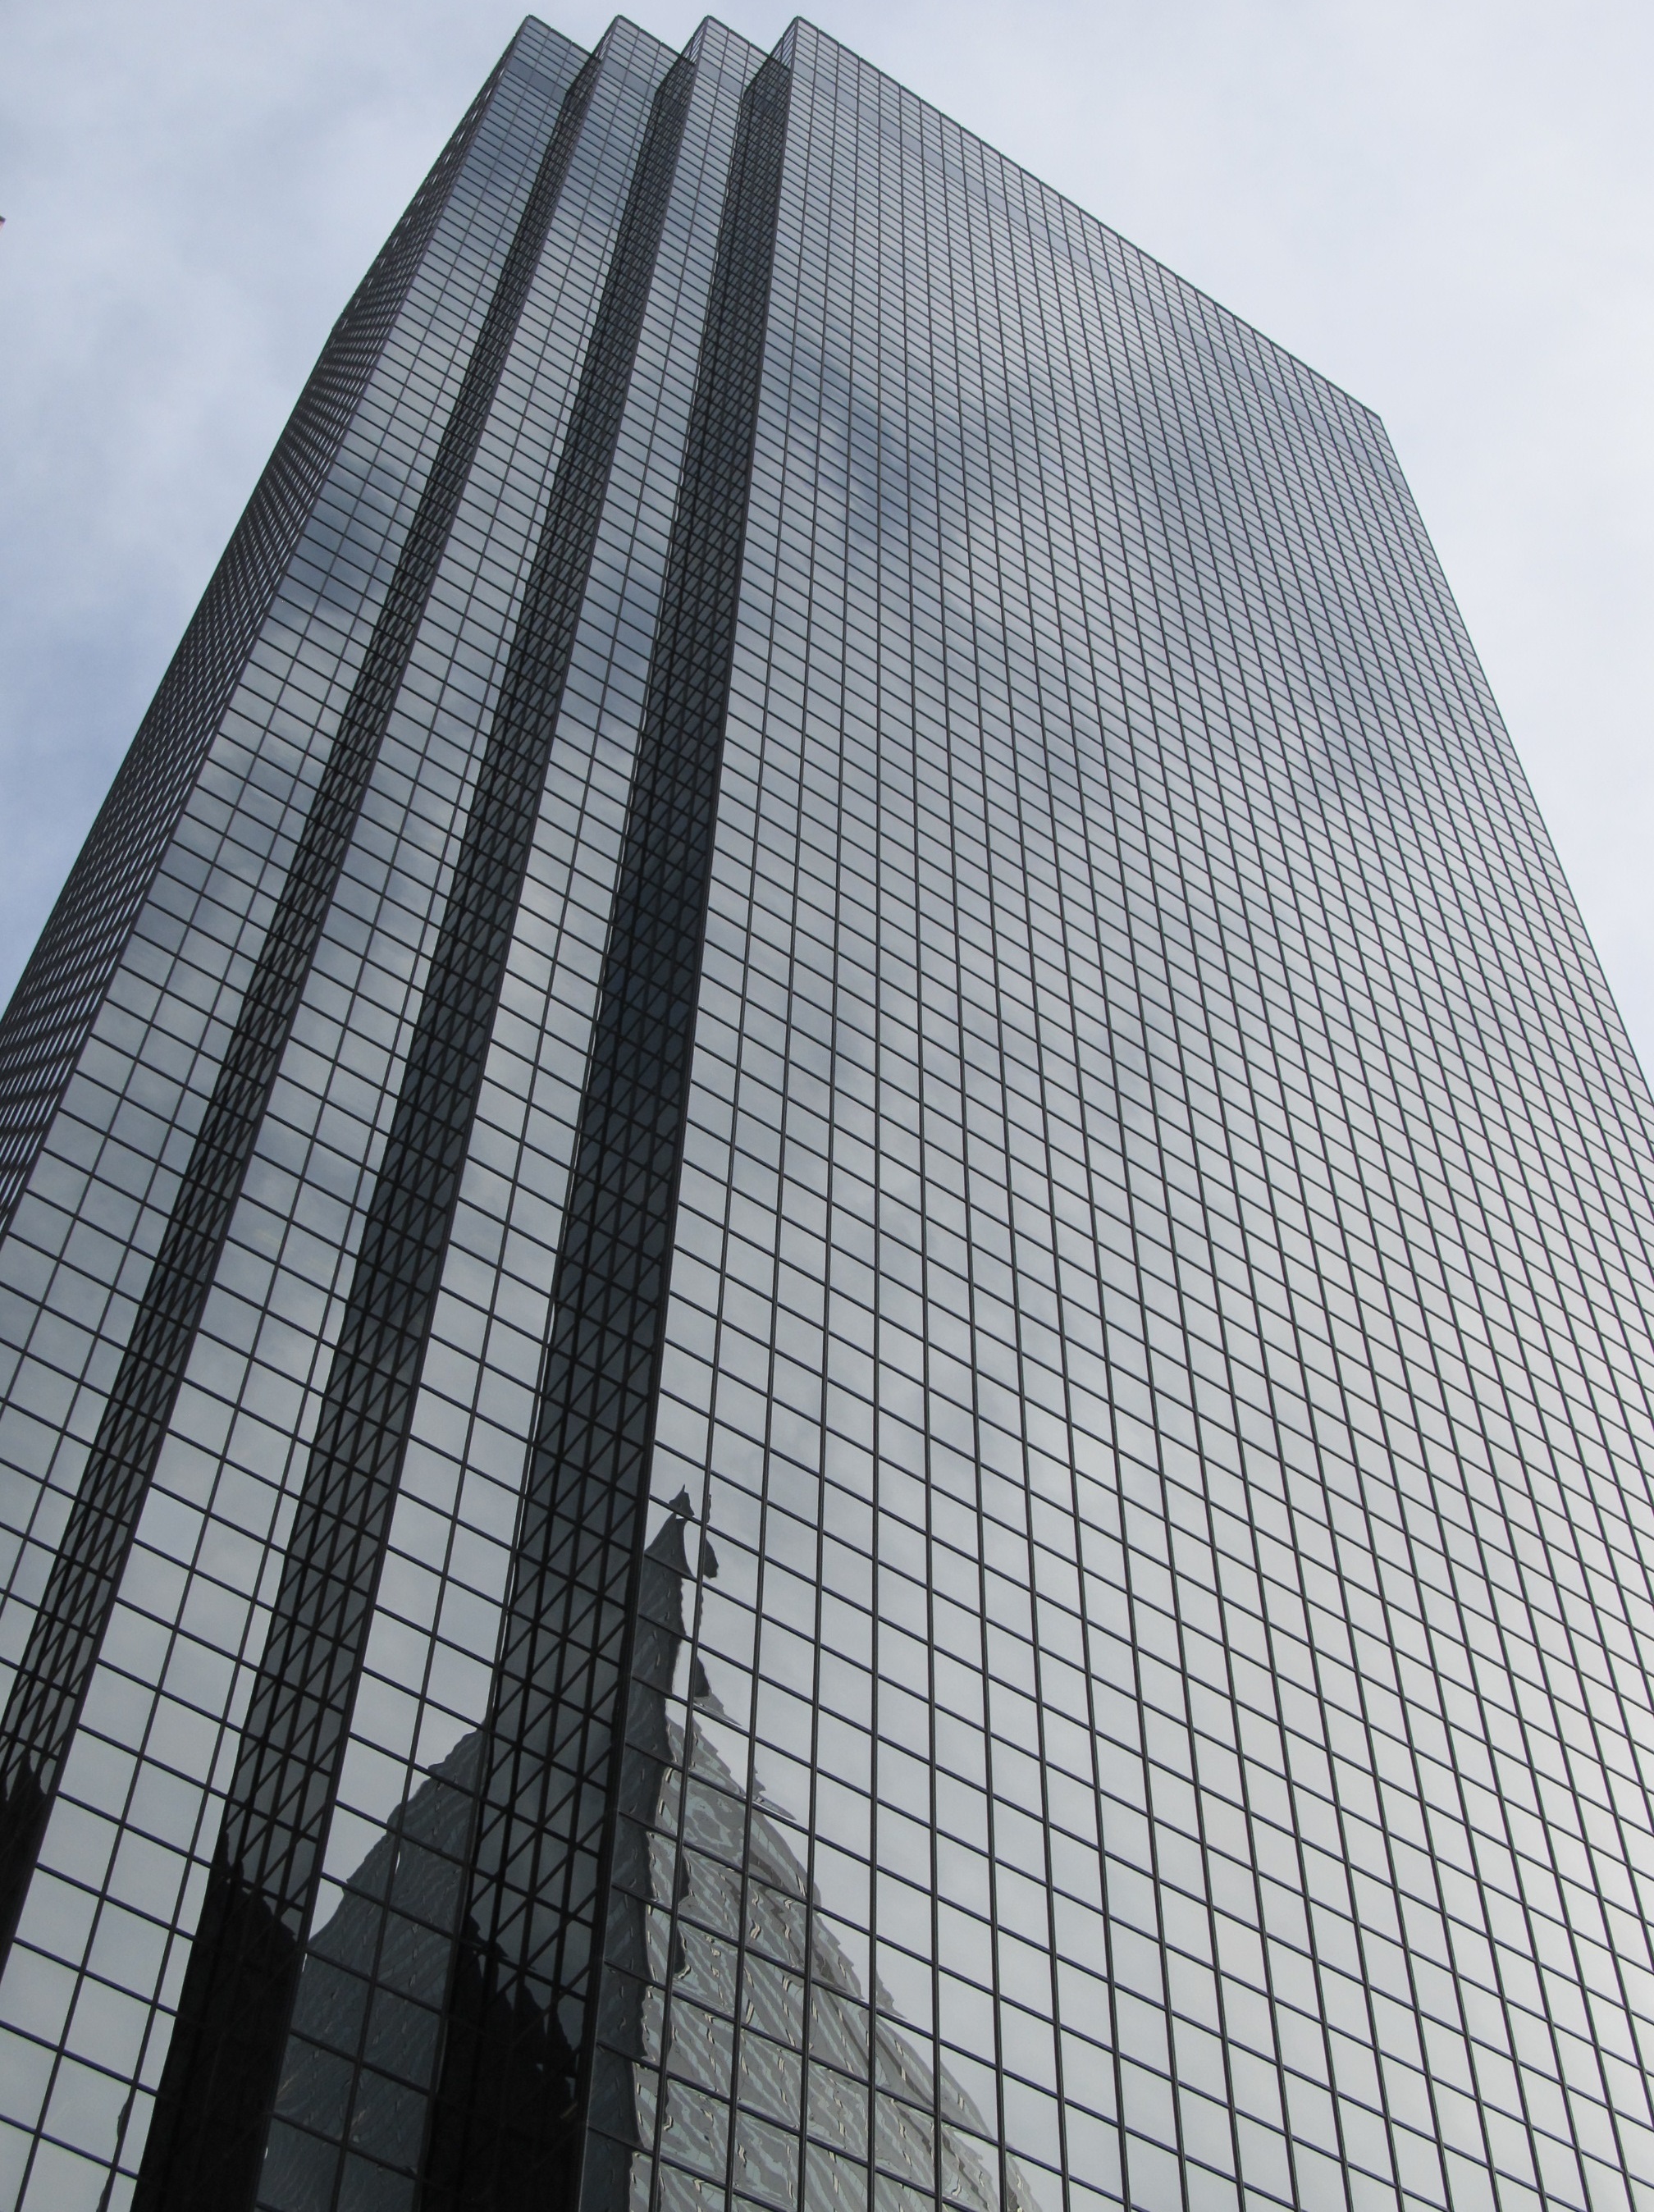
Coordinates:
1446	207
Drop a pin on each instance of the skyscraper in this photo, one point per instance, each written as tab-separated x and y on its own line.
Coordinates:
826	1261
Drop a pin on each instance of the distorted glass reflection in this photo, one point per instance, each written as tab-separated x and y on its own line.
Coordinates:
738	2046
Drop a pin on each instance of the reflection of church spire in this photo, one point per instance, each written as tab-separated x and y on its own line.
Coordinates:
394	1931
521	2093
720	1924
748	1877
747	1943
371	1989
527	2100
647	1753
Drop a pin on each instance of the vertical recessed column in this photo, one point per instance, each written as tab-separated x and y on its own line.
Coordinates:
295	1736
207	2135
522	2068
58	996
68	1629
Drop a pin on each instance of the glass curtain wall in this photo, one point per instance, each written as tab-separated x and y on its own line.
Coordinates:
828	1376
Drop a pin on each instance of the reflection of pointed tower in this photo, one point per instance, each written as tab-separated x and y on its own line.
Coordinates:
390	1943
648	1752
751	1947
520	2056
393	1927
740	1942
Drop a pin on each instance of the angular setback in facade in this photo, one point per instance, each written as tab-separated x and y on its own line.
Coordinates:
826	1261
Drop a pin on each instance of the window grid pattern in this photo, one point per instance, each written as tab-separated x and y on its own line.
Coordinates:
184	1635
486	1341
49	1684
217	2093
338	1543
99	1197
76	2012
385	1919
58	994
525	2062
1134	1115
1137	1688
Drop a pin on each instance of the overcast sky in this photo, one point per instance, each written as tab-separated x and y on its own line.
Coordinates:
1446	205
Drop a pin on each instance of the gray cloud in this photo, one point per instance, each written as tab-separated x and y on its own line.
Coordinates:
1444	204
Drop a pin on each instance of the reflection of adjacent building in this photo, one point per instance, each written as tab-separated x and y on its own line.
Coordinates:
356	2081
735	2034
745	1876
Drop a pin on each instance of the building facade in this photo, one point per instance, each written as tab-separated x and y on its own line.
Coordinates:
826	1261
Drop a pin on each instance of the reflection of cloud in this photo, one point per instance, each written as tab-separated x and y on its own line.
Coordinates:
193	189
